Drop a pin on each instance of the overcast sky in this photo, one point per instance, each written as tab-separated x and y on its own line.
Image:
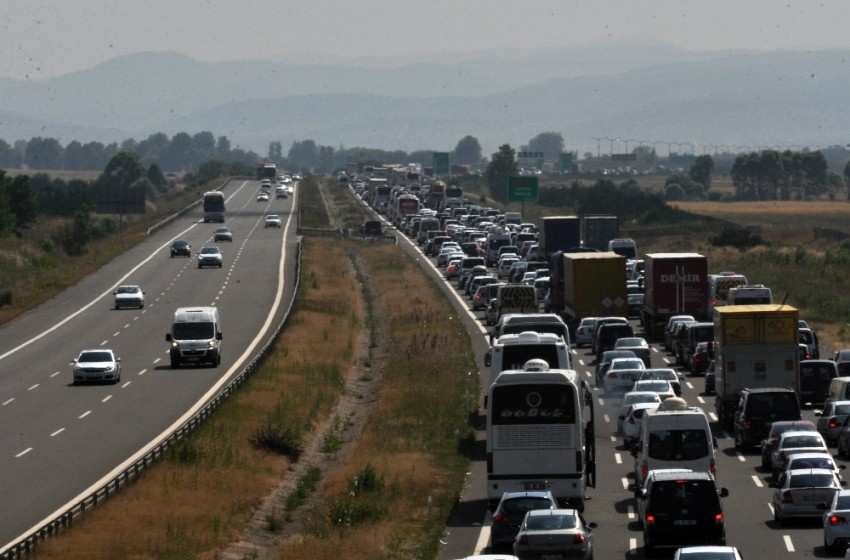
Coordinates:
44	38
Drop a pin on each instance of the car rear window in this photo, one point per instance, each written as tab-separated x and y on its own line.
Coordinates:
678	445
811	481
811	463
693	495
522	505
551	522
802	441
763	405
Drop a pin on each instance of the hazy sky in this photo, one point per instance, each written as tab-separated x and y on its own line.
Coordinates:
45	38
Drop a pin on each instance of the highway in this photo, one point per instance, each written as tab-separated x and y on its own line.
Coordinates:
749	517
60	441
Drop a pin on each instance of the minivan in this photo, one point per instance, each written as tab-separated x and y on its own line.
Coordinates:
195	336
674	435
607	335
758	408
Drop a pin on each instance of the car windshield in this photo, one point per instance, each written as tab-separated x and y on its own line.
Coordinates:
193	331
222	230
652	385
678	445
209	250
179	244
95	357
633	398
128	289
550	522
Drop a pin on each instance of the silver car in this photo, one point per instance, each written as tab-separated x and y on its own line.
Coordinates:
554	533
97	365
836	523
804	493
584	332
210	256
831	418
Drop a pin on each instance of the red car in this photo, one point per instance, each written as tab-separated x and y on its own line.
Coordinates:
703	354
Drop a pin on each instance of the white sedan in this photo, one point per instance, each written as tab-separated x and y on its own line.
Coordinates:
129	295
273	220
622	374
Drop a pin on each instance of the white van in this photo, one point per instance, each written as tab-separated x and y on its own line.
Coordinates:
195	336
839	390
674	435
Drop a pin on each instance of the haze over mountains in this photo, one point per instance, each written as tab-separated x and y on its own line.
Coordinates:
647	92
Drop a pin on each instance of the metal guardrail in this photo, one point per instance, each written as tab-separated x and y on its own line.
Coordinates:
25	544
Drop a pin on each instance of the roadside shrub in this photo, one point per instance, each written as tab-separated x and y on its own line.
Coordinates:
278	439
740	238
674	192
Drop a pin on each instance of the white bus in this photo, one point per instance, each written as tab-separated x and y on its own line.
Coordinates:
540	434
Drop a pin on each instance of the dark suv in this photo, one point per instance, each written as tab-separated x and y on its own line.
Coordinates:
607	335
758	409
680	508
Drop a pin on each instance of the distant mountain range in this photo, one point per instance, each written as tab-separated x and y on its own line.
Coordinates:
591	95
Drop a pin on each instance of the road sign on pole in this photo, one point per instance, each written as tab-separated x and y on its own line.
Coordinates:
522	189
441	163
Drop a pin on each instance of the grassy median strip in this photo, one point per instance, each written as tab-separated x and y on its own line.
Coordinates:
389	490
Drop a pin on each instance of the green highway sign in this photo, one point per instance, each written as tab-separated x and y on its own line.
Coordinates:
441	163
522	189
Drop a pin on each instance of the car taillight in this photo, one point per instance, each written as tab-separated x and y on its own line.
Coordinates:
644	469
650	519
713	467
579	538
500	518
523	539
631	419
748	425
781	455
787	498
837	520
833	423
612	375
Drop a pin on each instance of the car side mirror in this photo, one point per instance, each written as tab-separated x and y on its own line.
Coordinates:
724	492
640	493
218	335
119	359
488	359
842	467
714	441
592	525
168	337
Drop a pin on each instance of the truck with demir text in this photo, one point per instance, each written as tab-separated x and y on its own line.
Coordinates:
674	284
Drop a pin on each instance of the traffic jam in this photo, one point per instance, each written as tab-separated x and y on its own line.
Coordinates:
651	406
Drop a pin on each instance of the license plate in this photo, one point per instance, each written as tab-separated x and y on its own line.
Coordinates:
534	485
685	522
811	499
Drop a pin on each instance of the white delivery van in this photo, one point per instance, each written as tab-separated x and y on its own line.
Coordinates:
674	435
195	336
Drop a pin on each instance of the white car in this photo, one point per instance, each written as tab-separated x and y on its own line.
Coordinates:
634	397
97	365
795	442
263	197
704	552
804	493
504	266
584	332
273	220
631	425
661	386
210	256
129	295
622	374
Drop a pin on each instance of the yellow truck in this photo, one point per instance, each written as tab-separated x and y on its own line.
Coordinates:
594	286
755	346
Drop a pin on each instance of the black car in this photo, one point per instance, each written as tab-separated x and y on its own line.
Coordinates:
680	509
181	248
635	304
815	377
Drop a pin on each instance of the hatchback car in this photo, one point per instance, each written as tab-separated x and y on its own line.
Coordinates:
210	256
97	365
836	523
637	345
273	220
128	295
181	248
223	234
667	374
804	493
508	515
605	363
554	533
